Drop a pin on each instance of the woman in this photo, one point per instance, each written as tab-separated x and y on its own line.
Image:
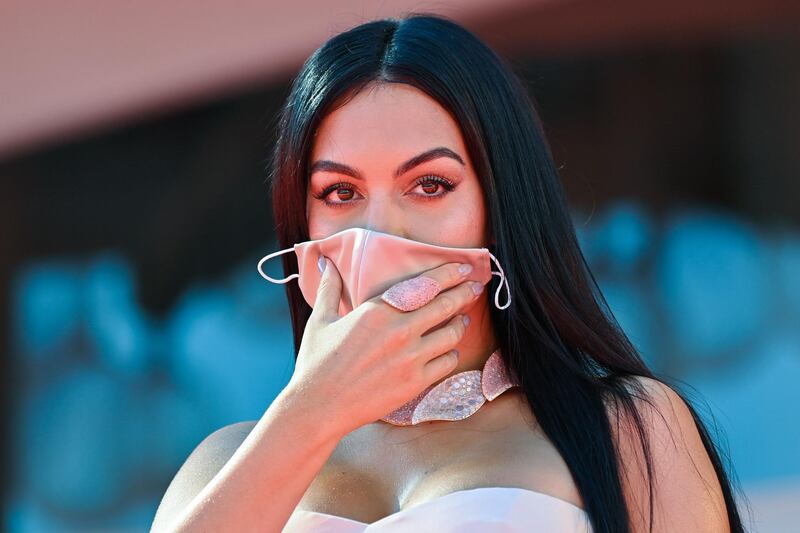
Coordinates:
414	134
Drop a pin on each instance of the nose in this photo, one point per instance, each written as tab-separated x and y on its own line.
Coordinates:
383	215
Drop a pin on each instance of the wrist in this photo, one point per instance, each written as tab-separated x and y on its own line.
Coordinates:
316	417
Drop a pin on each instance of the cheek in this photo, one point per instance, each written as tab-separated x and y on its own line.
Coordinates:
323	221
315	222
472	217
475	225
460	224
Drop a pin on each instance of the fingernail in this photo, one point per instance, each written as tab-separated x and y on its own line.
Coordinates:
465	268
321	263
466	320
477	287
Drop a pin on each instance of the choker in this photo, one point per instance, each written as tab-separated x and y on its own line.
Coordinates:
456	397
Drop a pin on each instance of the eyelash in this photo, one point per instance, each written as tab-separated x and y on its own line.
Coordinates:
448	185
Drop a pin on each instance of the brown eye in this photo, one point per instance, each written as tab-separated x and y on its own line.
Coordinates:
430	187
342	199
347	195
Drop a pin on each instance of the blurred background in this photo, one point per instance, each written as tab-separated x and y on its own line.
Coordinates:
133	145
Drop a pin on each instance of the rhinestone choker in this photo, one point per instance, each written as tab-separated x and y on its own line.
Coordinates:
456	397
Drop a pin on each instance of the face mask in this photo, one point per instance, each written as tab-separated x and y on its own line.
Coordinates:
370	262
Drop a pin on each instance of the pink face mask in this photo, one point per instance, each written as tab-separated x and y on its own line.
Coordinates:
371	261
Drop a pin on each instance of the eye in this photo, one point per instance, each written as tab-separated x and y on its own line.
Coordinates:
346	191
346	196
431	183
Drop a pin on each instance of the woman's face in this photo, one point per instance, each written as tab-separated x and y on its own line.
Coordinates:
393	160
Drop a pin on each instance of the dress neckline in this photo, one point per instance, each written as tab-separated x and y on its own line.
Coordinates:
532	493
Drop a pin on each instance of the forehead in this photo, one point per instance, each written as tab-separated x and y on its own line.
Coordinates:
388	118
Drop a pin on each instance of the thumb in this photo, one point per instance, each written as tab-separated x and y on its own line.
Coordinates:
329	291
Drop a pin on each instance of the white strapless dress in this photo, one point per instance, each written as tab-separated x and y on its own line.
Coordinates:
479	510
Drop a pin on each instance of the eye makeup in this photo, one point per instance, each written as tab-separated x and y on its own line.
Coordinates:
445	183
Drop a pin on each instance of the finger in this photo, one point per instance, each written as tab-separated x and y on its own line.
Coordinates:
444	306
414	292
329	292
440	366
444	338
449	274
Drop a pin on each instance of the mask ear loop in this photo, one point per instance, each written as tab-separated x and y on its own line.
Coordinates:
270	256
503	279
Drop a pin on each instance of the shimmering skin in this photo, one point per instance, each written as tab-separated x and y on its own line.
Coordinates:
411	294
456	397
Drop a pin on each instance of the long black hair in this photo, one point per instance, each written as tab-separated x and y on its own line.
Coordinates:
582	358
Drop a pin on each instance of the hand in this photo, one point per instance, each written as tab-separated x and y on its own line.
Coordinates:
362	366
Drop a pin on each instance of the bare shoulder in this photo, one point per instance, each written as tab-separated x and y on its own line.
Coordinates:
199	468
686	491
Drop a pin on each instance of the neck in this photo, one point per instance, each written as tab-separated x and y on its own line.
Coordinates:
475	348
478	341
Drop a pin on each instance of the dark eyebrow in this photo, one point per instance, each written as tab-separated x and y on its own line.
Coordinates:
340	168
